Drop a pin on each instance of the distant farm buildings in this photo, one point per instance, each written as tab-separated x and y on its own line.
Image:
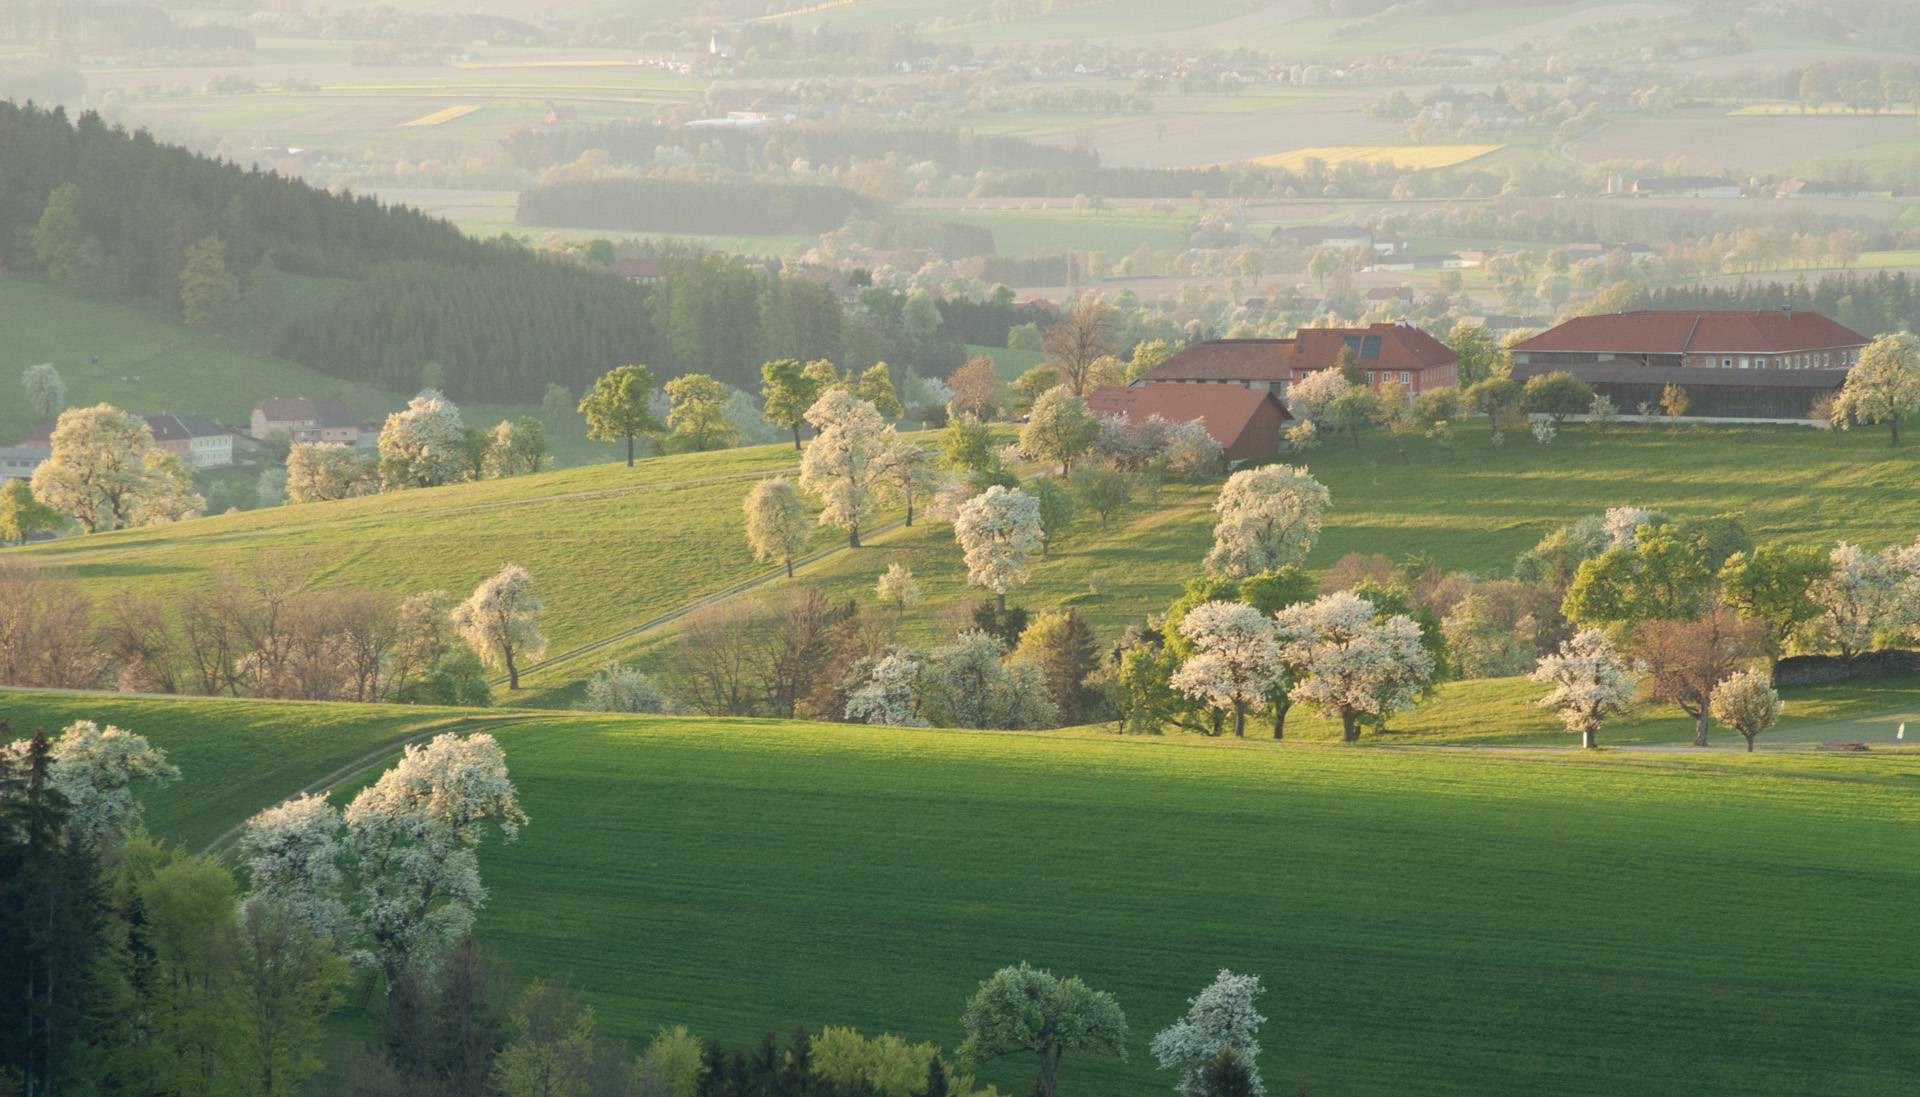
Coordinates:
1773	364
304	420
203	443
18	462
1247	422
1388	355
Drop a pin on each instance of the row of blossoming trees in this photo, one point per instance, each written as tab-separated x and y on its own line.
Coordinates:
1612	607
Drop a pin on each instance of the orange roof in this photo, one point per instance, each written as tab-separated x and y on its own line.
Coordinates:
1379	346
1224	409
1684	331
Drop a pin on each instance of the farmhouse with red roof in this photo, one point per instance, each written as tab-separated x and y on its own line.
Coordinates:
1390	355
1773	364
1245	421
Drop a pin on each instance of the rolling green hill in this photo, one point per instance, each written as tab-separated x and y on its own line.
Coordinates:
1427	921
612	547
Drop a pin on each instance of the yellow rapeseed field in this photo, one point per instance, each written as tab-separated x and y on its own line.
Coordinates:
1419	157
446	114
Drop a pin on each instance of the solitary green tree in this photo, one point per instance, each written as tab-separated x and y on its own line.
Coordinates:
789	390
698	414
620	406
1020	1009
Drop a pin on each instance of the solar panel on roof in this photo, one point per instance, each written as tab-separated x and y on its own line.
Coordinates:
1370	347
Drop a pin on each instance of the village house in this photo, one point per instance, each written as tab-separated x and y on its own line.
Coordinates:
203	443
305	420
18	462
1772	364
1247	422
641	270
1388	355
1686	186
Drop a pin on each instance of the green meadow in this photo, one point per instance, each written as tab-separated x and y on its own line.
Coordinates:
1426	920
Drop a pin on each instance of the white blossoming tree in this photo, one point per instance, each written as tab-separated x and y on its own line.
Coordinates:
887	691
999	530
1350	664
841	464
1268	517
319	471
1623	523
1864	594
971	684
776	521
412	839
1747	702
1883	386
1311	398
502	621
896	587
1220	1018
1190	451
95	768
1591	683
46	390
618	687
1235	661
421	444
293	854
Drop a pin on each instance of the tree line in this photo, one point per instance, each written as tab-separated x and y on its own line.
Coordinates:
636	142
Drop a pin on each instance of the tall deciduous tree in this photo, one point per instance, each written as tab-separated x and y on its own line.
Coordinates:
107	473
619	407
1021	1010
516	447
1773	584
977	390
776	521
1883	386
423	444
319	471
1223	1019
502	621
1082	335
1864	594
788	390
1059	429
698	412
1747	702
1686	659
1057	509
841	466
1352	664
1235	661
1591	682
998	530
876	387
1268	517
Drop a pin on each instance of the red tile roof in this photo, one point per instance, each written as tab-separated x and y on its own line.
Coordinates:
1683	331
1400	347
1226	410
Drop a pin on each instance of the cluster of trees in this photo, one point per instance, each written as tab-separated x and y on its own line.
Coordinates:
266	631
1883	301
684	205
130	967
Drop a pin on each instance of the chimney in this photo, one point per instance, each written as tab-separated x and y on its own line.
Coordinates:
1786	312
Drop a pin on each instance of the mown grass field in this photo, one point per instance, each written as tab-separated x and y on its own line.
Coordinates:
1427	921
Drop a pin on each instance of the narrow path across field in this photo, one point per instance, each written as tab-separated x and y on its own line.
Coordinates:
460	725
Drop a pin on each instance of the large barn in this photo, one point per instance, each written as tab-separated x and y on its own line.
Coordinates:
1390	356
1771	364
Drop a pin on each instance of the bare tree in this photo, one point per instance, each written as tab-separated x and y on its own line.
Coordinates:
713	668
141	647
1686	659
1082	336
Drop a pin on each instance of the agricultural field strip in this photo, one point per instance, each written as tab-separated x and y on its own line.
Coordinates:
444	115
1418	157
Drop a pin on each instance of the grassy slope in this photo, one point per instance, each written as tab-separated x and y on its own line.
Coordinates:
608	545
148	365
1426	921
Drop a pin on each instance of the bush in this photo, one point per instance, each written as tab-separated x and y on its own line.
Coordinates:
617	687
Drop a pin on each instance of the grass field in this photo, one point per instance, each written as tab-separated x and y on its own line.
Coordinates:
1426	921
146	364
1416	157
